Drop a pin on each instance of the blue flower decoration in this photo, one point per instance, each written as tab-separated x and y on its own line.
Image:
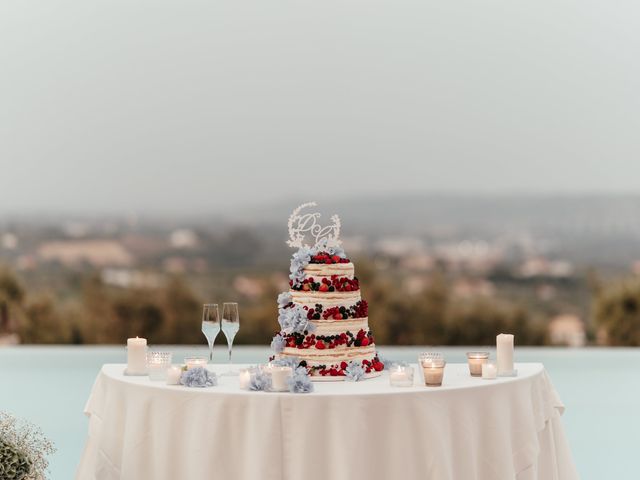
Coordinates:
354	372
278	343
260	382
198	377
294	319
300	381
299	261
292	362
284	299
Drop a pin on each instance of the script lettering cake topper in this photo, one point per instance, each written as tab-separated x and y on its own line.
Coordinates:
301	224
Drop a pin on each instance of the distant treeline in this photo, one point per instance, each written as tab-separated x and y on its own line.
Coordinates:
171	314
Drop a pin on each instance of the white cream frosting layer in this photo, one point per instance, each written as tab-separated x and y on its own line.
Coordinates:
326	299
322	270
334	327
313	356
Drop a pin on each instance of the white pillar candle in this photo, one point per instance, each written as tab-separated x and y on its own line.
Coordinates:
489	371
279	377
137	356
173	375
504	344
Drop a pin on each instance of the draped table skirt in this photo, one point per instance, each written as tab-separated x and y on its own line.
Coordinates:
468	429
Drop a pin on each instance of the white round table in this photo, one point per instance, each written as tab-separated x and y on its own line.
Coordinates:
468	429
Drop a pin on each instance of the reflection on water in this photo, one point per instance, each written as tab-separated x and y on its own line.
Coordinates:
600	387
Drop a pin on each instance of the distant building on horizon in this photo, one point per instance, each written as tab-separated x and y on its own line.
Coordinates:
567	329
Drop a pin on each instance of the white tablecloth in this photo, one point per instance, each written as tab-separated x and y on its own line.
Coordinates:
467	429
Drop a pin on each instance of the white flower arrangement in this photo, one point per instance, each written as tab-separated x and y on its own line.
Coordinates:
23	450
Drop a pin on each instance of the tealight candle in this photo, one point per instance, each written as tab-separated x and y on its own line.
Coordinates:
432	369
279	377
476	360
489	371
245	377
504	355
157	365
173	375
136	356
194	362
401	376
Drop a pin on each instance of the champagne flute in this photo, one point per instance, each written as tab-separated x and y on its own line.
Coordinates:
210	325
230	326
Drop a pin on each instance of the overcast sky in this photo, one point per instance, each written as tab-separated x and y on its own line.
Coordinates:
202	105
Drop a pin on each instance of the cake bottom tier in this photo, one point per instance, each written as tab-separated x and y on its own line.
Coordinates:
325	367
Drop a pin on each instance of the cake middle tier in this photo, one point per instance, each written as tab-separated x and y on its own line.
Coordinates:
326	299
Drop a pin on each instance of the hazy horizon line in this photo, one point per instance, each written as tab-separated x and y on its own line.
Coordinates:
246	206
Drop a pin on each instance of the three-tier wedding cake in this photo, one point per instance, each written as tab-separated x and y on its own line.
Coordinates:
324	323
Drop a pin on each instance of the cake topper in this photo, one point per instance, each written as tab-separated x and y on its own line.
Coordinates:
307	223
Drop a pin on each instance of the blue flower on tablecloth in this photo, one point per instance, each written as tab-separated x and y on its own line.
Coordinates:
198	377
354	372
299	261
260	382
292	362
278	343
294	319
284	299
300	381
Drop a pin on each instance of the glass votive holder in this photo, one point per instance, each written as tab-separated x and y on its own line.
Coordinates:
195	362
157	365
401	375
475	361
432	368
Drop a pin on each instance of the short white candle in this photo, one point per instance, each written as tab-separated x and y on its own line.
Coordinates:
137	356
504	355
173	375
432	375
279	377
489	371
475	361
245	378
401	376
195	362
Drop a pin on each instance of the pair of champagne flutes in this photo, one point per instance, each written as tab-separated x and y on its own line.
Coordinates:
211	324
